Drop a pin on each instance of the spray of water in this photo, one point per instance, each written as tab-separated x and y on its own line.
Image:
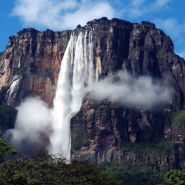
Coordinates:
79	75
77	71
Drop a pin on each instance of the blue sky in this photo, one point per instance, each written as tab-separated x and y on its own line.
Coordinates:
59	15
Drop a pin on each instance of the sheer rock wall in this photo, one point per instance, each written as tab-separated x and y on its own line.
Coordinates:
31	62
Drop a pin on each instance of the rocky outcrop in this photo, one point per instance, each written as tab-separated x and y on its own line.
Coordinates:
139	48
30	64
101	128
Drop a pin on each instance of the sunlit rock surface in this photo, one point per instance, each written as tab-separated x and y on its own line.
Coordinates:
36	57
101	128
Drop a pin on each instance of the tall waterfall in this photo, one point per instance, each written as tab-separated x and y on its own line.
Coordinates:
77	71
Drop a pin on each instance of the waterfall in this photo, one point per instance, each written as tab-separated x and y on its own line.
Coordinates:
77	71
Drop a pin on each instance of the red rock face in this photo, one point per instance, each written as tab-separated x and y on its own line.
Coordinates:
99	128
36	57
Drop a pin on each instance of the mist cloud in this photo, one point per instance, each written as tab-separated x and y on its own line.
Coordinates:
32	127
121	87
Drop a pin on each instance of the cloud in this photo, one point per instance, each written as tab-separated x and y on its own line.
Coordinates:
171	26
161	3
144	91
181	52
88	12
140	8
35	123
175	30
60	14
32	127
137	3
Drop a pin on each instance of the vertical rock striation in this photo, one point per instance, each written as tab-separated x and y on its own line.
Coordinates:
30	66
101	128
34	58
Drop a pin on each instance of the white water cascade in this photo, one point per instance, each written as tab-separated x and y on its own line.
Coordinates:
77	71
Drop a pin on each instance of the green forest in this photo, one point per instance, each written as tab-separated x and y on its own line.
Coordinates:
19	169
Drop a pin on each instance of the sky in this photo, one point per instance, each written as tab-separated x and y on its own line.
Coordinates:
59	15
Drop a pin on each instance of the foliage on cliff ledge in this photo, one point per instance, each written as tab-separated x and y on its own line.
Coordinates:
144	163
178	119
7	118
3	91
7	113
143	174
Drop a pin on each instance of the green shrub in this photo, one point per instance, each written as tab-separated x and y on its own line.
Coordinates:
7	117
174	177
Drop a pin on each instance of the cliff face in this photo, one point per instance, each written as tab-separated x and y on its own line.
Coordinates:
30	66
101	129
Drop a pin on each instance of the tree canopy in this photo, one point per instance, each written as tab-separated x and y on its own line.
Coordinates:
5	149
174	177
48	169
